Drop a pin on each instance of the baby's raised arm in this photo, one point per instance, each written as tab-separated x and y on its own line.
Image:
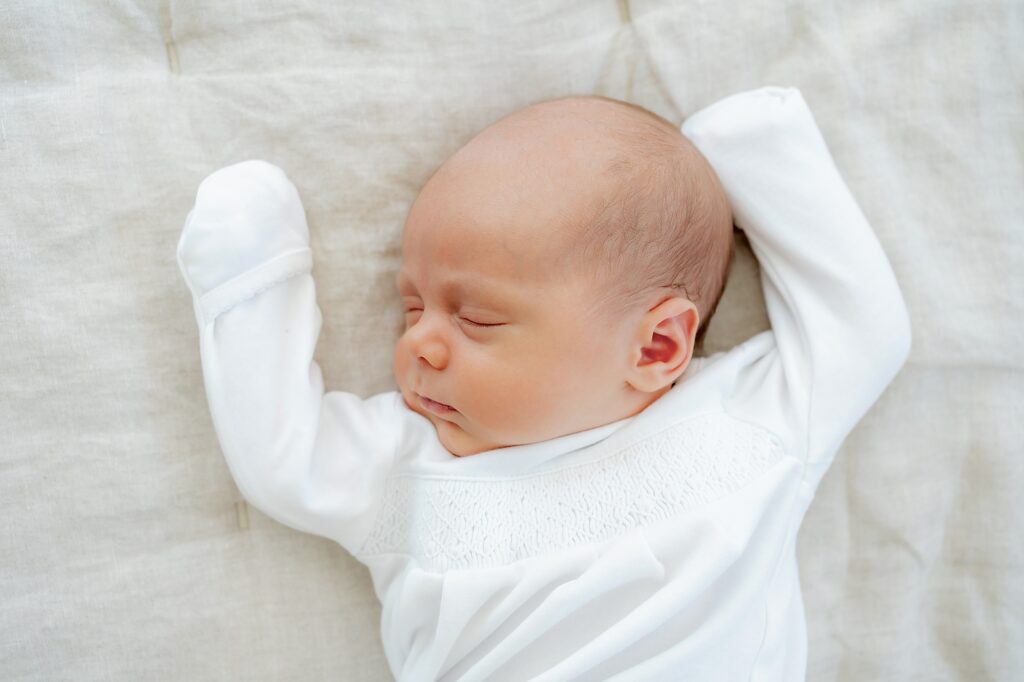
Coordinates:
841	328
314	461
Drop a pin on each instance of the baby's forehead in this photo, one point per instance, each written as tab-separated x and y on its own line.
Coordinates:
516	242
527	187
506	197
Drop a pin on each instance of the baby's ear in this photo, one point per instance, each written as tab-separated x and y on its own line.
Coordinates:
665	340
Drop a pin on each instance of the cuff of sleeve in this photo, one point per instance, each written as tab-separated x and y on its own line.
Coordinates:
743	113
248	284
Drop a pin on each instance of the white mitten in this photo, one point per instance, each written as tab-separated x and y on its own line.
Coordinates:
244	215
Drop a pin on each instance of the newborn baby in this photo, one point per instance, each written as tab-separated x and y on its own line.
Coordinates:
559	489
555	272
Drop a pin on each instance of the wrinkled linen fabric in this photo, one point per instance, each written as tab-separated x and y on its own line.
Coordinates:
127	550
658	547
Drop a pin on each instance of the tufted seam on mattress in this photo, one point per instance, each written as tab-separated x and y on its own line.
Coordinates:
653	66
625	16
167	32
172	57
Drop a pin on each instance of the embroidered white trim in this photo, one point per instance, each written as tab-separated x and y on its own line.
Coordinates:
464	523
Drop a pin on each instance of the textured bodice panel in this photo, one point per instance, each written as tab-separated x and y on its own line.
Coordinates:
452	523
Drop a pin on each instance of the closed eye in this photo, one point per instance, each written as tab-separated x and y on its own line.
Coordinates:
481	324
464	319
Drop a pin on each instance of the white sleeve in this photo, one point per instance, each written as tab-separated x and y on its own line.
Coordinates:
840	325
316	462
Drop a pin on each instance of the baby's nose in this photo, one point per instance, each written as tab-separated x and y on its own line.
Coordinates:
427	342
434	354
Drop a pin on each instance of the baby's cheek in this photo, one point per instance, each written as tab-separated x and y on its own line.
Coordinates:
510	396
399	364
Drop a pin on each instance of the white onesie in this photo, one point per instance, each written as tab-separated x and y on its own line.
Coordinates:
657	547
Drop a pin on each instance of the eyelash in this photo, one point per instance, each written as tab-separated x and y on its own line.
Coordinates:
464	319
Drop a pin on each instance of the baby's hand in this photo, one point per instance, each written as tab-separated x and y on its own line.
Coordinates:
244	214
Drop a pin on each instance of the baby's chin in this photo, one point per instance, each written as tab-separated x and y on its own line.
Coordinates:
457	440
453	437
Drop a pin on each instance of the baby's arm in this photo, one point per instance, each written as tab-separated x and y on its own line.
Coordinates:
311	460
841	328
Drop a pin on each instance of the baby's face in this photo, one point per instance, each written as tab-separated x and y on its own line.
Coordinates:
494	329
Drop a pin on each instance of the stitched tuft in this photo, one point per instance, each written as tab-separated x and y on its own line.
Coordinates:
172	57
625	16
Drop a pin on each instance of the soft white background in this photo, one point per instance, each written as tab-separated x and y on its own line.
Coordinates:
125	550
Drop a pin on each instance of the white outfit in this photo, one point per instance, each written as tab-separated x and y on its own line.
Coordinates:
657	547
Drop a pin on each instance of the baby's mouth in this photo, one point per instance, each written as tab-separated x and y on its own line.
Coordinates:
437	408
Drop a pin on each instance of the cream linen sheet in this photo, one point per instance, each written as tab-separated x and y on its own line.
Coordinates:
126	550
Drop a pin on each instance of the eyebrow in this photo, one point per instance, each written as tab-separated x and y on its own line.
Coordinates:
459	288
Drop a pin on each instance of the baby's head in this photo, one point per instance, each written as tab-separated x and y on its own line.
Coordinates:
557	272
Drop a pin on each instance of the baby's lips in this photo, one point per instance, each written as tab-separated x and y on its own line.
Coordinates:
438	408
